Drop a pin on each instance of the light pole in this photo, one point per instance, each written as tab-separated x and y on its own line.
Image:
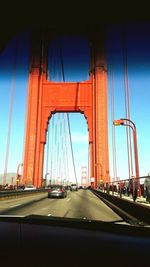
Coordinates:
97	165
17	178
46	177
127	122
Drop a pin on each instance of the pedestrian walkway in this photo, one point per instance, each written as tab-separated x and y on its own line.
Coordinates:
139	200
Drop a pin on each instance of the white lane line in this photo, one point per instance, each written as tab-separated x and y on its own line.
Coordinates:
44	208
49	214
14	205
68	199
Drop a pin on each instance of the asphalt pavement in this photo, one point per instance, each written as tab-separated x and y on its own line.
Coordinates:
82	204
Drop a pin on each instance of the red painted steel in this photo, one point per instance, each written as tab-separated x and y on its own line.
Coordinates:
46	98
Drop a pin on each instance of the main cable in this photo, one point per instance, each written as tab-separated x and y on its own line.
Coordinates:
10	113
113	110
68	120
127	104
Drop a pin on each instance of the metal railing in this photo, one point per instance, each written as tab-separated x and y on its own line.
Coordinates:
133	188
18	193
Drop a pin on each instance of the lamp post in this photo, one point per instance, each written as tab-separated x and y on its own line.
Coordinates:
101	174
97	165
46	177
127	122
17	178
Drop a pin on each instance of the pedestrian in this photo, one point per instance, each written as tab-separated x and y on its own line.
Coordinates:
133	187
121	188
147	188
127	191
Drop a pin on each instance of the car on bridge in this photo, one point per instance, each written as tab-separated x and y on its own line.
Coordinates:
73	187
57	191
29	187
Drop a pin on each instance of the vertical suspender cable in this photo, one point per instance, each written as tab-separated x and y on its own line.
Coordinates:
127	105
58	145
128	102
55	151
88	175
113	128
62	63
47	156
113	111
71	147
10	114
68	121
60	148
52	151
67	157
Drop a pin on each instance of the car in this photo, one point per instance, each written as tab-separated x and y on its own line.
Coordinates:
29	187
73	187
80	187
67	187
57	191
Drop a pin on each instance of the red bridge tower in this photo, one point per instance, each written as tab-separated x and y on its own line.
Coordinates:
46	98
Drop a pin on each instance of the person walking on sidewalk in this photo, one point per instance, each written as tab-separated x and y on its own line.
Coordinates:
147	188
133	187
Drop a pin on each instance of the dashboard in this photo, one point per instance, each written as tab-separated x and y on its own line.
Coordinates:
53	241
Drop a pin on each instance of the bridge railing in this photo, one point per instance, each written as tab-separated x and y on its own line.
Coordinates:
18	193
130	188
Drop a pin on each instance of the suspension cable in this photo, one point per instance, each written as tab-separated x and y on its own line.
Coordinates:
10	113
62	62
113	128
88	175
113	111
47	156
66	150
68	120
70	138
55	154
61	149
52	149
127	105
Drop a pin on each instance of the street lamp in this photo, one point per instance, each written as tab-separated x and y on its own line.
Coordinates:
97	165
46	177
127	122
17	178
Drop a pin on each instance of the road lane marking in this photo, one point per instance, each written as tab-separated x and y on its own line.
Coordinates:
49	214
14	205
68	199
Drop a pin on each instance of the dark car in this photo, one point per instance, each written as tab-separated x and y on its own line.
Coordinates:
67	187
57	191
80	187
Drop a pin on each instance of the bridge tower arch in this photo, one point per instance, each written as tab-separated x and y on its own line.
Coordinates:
46	97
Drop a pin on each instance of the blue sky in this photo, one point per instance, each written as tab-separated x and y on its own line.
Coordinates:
138	43
138	47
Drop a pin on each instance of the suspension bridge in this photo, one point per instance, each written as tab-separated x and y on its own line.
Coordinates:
50	98
47	152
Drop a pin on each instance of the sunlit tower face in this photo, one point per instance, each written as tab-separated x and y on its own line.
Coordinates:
84	176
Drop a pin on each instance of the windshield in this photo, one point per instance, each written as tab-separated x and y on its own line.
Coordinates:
75	117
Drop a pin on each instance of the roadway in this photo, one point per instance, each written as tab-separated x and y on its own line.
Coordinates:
82	204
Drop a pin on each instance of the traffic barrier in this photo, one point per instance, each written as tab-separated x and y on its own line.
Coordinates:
14	193
136	210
